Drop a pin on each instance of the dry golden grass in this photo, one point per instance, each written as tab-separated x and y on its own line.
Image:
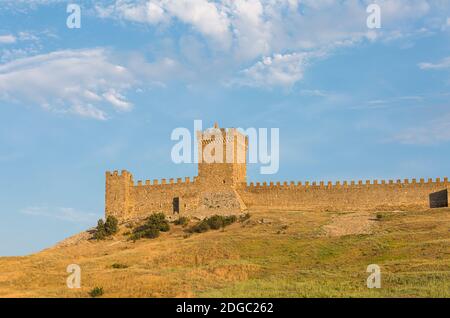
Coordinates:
274	254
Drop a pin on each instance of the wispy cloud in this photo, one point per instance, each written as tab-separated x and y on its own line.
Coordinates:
432	132
267	43
87	82
443	64
23	43
208	18
259	43
72	81
388	102
61	213
277	70
314	92
26	5
7	39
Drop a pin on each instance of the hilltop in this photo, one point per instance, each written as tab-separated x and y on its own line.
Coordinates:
273	254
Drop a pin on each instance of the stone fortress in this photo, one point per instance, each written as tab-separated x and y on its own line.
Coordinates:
221	188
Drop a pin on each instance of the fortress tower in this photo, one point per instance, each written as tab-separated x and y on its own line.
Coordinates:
118	194
222	157
222	170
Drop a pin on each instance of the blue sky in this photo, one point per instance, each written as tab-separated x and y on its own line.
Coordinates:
350	102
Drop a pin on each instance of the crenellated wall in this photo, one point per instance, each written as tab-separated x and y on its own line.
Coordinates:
367	195
221	188
159	196
125	199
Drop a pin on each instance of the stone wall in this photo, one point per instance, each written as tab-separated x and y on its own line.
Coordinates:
126	200
369	195
221	187
153	198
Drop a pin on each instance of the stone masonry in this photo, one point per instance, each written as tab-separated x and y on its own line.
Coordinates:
221	188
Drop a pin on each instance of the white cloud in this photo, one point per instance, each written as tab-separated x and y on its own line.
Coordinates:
252	31
61	213
14	53
313	92
279	70
26	4
229	35
24	43
282	70
83	82
204	16
88	110
443	64
117	100
433	132
207	17
404	9
143	12
7	39
248	31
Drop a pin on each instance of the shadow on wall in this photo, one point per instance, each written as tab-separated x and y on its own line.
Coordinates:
439	199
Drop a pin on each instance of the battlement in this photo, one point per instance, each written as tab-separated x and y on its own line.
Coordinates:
344	184
115	173
166	182
212	133
226	137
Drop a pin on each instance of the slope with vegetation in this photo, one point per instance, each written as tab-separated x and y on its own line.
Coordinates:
270	254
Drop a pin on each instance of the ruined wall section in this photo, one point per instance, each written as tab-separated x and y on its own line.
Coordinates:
369	195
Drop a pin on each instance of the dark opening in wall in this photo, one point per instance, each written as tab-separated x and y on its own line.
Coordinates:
176	205
439	199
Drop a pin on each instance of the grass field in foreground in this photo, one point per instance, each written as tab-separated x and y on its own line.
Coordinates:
273	254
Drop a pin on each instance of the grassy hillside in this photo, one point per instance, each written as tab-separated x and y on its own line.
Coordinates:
273	254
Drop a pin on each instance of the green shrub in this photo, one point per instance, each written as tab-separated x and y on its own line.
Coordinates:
111	225
147	233
214	222
105	229
150	229
157	221
182	220
200	227
96	292
228	220
100	232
